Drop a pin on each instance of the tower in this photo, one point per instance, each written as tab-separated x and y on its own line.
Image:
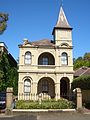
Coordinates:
62	32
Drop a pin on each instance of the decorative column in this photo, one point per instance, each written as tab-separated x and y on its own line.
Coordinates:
70	92
35	91
57	91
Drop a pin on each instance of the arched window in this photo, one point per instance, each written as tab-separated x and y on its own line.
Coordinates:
27	58
64	59
27	86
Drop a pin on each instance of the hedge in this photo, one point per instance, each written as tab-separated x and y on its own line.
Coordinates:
82	82
46	104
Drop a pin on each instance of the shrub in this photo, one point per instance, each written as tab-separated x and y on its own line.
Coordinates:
87	105
82	82
48	104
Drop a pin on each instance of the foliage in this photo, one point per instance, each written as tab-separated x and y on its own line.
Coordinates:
82	61
87	56
48	104
87	105
8	74
3	22
82	82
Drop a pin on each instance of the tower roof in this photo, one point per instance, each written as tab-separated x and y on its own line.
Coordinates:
62	21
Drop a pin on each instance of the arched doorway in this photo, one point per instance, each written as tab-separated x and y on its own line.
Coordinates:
46	86
64	87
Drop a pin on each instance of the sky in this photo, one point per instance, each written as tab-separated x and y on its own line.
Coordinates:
35	20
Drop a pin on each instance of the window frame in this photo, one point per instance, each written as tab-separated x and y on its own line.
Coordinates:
45	86
64	58
27	88
45	61
27	58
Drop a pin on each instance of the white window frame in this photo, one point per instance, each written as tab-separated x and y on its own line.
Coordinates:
27	86
64	59
27	58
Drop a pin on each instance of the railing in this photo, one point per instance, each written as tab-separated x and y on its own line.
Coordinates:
44	96
29	96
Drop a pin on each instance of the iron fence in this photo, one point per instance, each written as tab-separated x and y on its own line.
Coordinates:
44	96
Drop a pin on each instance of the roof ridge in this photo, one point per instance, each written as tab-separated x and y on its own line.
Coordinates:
84	71
41	40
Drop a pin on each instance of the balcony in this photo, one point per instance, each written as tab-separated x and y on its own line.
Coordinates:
45	68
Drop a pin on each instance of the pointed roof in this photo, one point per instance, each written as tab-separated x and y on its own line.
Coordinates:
62	21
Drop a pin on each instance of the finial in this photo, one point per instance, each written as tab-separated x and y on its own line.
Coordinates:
25	40
61	3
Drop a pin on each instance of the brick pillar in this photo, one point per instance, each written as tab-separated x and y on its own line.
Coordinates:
79	98
9	100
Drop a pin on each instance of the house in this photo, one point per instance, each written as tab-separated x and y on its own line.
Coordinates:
46	66
3	47
82	71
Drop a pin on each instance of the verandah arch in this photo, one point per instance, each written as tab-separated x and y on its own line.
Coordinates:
46	58
46	85
64	87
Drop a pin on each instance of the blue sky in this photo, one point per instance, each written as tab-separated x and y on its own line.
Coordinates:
35	19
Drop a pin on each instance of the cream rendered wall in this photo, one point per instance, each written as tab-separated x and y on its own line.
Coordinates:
55	72
36	73
63	36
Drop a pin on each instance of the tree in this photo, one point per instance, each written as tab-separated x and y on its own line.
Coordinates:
4	67
8	74
82	61
3	22
87	56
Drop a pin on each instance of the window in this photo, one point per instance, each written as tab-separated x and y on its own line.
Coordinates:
45	61
27	58
27	86
45	86
64	59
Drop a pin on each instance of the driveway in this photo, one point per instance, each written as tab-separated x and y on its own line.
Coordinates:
48	116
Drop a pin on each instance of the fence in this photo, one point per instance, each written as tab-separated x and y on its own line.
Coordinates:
45	96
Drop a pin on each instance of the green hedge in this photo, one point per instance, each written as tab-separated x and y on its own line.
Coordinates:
48	104
82	82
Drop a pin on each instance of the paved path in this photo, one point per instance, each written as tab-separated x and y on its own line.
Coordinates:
48	116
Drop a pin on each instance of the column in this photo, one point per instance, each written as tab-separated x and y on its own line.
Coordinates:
57	91
35	85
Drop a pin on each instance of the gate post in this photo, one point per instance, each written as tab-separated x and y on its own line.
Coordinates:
79	98
9	100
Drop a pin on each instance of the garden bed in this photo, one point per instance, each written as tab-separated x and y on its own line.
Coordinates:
45	104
